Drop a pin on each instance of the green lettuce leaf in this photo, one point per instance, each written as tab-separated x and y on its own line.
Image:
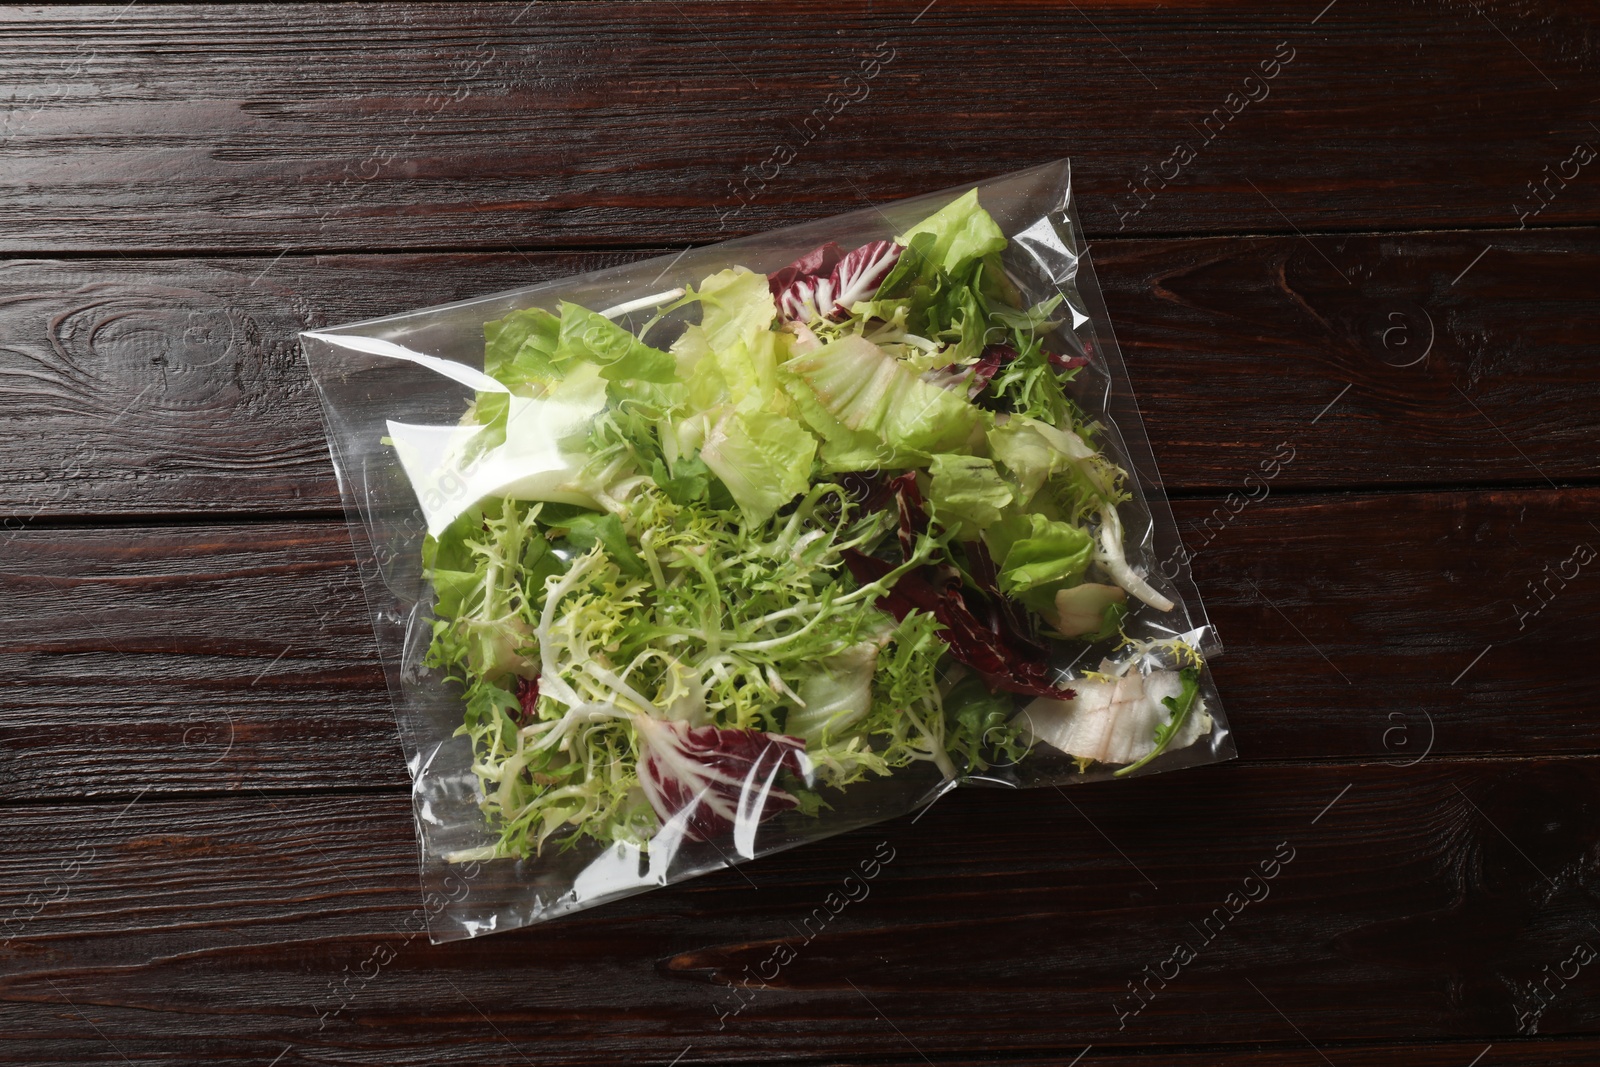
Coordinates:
853	385
750	372
1035	453
1088	610
735	305
690	350
967	493
998	289
1035	320
1032	551
962	324
963	232
619	354
1026	452
919	263
765	462
837	693
687	482
521	347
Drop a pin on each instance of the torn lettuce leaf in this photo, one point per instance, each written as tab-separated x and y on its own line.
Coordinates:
764	461
962	233
853	390
967	493
736	305
1033	551
586	335
521	347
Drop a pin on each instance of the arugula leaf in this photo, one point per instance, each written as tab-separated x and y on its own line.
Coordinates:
983	718
690	483
1180	708
585	531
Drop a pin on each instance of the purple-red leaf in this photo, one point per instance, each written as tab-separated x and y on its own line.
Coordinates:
937	591
859	274
819	261
976	376
1066	363
828	281
1002	649
528	697
716	780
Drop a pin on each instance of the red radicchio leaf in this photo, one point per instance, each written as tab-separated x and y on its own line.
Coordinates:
1005	616
528	697
717	780
859	274
819	261
1002	651
1066	363
908	503
827	283
976	376
991	362
937	590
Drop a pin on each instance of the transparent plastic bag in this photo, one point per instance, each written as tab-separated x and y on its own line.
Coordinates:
402	383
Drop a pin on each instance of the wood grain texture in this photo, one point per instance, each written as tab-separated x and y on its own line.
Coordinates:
488	126
1357	627
1408	905
207	853
1548	1052
1468	358
176	386
189	658
162	388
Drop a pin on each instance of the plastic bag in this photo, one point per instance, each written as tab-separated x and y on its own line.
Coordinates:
617	790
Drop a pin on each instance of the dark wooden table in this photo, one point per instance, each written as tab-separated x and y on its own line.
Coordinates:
1384	257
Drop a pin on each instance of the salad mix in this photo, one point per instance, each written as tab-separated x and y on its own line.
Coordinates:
788	532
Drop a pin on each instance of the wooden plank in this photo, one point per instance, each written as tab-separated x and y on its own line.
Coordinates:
155	388
158	387
1403	906
1358	627
191	658
178	127
1546	1052
1436	359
